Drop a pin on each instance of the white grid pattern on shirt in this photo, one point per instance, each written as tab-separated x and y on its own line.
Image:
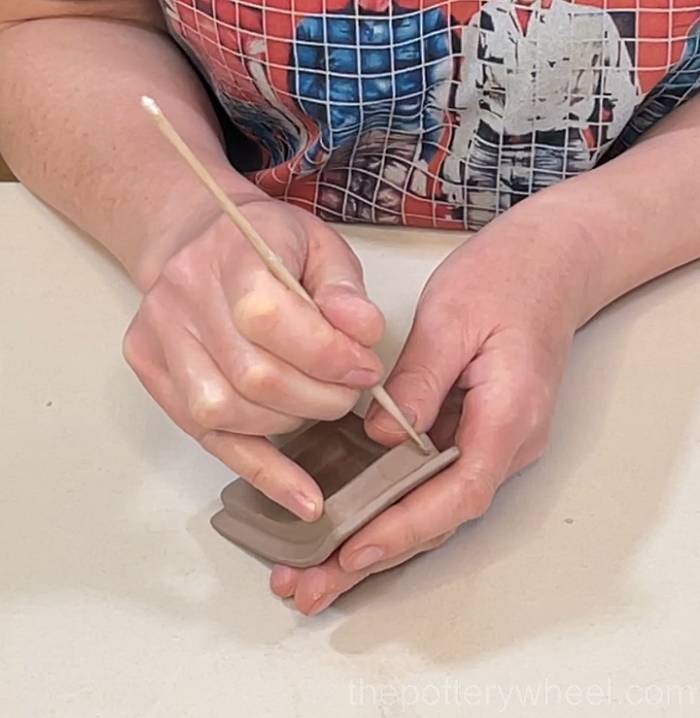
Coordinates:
515	162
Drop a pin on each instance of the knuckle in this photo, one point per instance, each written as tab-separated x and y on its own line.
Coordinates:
180	270
533	452
209	440
331	346
541	402
507	404
474	495
148	310
155	306
210	412
326	354
131	351
256	314
527	406
538	446
532	399
479	494
439	540
136	352
258	380
511	412
480	499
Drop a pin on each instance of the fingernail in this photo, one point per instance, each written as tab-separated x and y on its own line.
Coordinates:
350	295
345	286
307	507
280	580
386	423
372	411
361	377
364	557
322	603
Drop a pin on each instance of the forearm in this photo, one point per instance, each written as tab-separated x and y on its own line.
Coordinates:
72	129
641	211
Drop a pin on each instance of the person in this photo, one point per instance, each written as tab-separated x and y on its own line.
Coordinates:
228	353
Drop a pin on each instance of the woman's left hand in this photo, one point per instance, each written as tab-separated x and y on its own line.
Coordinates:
481	369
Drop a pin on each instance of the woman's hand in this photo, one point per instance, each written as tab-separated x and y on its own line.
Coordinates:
232	356
481	368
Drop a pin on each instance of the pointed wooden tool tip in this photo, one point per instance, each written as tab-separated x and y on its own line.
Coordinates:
421	444
388	404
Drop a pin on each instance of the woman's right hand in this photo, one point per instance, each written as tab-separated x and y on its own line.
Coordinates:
233	356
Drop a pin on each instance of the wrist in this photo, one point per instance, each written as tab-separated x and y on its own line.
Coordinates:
546	241
606	223
187	215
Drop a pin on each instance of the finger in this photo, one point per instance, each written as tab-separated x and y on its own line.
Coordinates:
211	400
195	389
445	426
424	374
141	348
326	266
284	579
290	328
143	353
255	460
530	452
333	277
318	587
263	466
266	380
489	442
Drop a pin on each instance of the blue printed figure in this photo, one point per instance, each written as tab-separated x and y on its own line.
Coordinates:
364	68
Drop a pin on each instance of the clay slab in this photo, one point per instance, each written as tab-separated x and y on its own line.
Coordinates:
358	478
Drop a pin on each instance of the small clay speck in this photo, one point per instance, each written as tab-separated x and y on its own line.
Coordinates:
568	521
49	403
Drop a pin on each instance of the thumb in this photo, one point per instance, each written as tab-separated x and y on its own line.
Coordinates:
333	277
431	362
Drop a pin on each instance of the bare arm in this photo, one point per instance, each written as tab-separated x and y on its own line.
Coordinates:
215	340
641	211
71	127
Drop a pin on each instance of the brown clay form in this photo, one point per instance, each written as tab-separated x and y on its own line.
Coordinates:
358	477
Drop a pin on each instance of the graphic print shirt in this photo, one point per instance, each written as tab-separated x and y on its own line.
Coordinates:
438	113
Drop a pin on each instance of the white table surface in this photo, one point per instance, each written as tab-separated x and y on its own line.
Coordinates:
578	594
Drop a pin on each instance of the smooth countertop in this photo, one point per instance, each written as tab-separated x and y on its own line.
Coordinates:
578	593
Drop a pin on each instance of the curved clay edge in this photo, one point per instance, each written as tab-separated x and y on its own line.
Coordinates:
343	531
320	551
